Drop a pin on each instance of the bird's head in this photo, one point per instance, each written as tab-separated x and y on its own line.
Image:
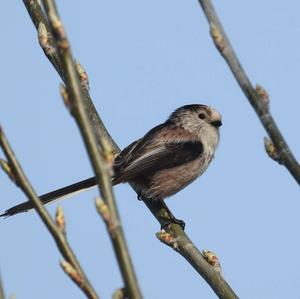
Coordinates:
196	118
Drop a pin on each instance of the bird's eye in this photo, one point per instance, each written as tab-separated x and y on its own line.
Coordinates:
202	115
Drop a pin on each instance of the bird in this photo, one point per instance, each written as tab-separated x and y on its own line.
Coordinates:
161	163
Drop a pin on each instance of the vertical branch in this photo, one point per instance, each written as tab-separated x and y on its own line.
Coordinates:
2	294
257	101
15	171
99	164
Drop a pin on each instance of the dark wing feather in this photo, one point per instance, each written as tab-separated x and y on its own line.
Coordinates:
124	155
151	158
135	149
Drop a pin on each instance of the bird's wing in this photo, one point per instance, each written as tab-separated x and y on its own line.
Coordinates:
146	157
136	148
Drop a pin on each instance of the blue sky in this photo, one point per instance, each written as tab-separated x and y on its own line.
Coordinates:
144	59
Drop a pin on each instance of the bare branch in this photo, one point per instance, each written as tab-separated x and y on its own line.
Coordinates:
99	163
259	101
180	242
57	234
2	294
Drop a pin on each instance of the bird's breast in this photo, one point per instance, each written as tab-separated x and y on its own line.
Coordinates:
167	182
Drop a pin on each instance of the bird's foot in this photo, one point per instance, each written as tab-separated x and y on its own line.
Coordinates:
171	218
175	221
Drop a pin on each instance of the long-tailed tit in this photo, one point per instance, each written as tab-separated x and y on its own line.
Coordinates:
168	158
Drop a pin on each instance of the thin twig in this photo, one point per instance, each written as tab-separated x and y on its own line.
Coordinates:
59	237
99	164
2	294
259	104
187	249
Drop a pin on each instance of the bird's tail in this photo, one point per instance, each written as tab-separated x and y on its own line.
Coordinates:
53	195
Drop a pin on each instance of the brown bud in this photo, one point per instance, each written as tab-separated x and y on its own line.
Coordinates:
60	219
119	294
7	169
263	94
44	40
83	76
59	31
103	210
42	34
71	272
109	155
65	96
212	259
271	150
167	239
217	37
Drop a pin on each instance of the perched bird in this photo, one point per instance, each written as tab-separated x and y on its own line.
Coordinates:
168	158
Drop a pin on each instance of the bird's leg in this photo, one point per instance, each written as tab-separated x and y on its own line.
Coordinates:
172	218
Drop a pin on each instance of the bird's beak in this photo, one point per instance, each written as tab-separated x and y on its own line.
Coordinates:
216	123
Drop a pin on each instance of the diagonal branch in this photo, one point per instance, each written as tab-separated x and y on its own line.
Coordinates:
78	110
185	246
182	244
259	104
15	171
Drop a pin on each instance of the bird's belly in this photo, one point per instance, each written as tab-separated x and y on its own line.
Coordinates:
167	182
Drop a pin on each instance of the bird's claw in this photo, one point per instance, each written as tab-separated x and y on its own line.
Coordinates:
175	221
